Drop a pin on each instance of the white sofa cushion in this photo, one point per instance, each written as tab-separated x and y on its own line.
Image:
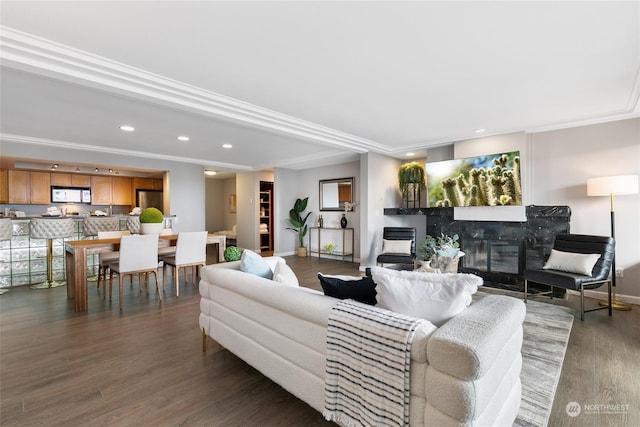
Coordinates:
283	274
396	246
253	263
571	262
462	347
435	297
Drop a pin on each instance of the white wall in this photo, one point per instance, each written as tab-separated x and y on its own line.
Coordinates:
213	200
286	190
379	176
186	181
229	218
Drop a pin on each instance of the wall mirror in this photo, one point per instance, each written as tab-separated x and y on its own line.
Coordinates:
334	193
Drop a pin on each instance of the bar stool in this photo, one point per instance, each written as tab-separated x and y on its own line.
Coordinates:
50	228
91	226
6	233
133	224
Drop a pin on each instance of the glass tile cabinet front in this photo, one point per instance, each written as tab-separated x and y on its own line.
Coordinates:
23	260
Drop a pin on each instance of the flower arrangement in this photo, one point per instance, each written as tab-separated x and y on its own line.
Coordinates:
329	247
350	206
443	245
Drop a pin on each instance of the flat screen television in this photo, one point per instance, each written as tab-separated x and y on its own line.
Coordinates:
489	180
70	195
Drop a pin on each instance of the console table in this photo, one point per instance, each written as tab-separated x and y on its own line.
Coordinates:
342	235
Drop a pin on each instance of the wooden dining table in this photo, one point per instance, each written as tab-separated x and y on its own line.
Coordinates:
77	251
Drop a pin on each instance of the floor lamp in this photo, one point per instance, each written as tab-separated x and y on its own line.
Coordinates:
613	186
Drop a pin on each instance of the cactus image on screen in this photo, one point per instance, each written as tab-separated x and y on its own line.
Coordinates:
491	180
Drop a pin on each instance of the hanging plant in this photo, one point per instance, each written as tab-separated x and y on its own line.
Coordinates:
411	177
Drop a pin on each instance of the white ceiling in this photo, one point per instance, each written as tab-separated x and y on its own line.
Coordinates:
299	84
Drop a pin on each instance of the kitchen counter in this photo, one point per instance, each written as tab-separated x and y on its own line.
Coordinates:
23	259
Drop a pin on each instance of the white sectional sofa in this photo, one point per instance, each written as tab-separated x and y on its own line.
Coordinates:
466	372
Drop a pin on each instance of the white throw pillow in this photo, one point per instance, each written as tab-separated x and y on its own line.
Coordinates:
396	246
284	274
571	262
253	263
435	297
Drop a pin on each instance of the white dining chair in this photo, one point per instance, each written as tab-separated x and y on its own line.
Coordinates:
138	254
191	251
107	257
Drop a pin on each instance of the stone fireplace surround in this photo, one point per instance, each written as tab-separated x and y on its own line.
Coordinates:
499	251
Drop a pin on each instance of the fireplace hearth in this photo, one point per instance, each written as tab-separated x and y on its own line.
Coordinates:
499	251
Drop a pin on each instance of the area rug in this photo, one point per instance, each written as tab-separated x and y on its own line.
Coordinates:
546	333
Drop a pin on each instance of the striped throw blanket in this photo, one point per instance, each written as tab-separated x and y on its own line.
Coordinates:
367	370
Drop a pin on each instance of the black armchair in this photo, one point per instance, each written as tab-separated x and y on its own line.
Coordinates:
582	244
398	233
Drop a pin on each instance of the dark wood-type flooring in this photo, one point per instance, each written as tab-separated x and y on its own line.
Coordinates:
144	366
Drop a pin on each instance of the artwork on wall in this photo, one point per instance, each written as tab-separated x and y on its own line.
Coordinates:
490	180
232	203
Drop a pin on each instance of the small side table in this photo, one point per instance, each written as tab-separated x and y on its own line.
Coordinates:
343	234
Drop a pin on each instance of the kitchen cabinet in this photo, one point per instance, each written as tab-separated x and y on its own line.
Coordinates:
40	191
4	186
106	190
29	187
70	180
147	184
121	191
18	187
100	190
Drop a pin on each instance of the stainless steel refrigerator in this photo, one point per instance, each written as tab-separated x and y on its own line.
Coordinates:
149	199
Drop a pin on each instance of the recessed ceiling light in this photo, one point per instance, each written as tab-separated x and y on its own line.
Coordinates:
127	128
411	154
227	145
210	173
183	138
479	130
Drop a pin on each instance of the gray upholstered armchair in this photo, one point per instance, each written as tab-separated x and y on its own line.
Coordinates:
561	275
400	247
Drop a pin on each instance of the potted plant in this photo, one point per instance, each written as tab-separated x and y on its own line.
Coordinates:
151	221
298	223
411	179
232	253
441	252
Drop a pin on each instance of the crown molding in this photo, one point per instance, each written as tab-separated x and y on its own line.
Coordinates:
20	139
36	54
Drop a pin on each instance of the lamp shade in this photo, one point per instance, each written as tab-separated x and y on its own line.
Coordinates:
616	185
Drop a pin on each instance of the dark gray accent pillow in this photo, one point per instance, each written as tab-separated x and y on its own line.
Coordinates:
361	289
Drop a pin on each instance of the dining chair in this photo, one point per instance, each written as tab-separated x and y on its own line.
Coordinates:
91	226
138	254
107	257
191	251
164	246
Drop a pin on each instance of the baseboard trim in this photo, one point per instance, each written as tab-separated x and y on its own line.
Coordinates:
629	299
